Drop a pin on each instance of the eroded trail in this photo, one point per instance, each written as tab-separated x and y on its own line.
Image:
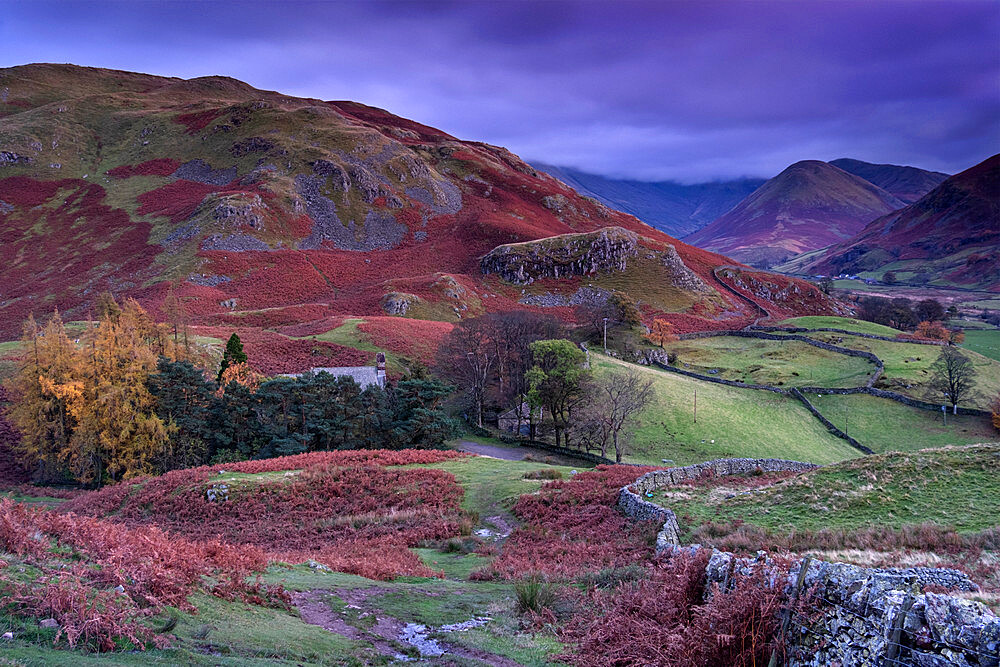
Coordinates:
356	614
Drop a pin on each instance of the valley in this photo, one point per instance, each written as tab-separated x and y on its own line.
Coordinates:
305	382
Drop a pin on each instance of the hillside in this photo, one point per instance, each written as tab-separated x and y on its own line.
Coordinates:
908	184
948	237
809	205
264	210
673	208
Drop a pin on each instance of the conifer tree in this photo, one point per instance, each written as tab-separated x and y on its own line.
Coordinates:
48	385
234	354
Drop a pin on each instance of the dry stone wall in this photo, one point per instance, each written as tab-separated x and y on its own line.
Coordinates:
632	503
860	617
857	617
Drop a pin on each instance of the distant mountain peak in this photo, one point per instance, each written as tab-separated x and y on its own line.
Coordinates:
809	205
951	235
906	183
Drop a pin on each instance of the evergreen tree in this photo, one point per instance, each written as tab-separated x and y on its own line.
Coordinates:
234	354
187	403
417	418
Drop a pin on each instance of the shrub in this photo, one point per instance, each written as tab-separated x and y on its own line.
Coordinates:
574	526
78	562
350	510
534	594
544	473
667	620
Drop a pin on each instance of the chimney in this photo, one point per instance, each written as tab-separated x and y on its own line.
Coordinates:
380	368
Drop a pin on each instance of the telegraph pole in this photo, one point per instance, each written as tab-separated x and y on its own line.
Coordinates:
605	335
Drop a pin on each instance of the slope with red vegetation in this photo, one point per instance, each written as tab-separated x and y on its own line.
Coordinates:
75	564
954	231
271	353
419	339
157	167
419	202
350	510
59	243
574	526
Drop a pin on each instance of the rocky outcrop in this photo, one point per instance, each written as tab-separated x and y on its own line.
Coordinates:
202	172
10	157
680	275
398	303
380	230
604	251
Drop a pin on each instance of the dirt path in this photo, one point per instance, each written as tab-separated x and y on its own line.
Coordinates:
505	453
519	452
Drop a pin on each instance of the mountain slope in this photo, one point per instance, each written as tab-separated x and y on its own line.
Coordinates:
908	184
262	210
671	207
949	236
809	205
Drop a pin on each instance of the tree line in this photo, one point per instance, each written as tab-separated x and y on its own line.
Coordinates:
503	361
128	398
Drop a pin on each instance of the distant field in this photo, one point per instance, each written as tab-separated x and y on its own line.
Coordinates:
732	422
821	322
956	487
775	363
886	426
909	363
984	341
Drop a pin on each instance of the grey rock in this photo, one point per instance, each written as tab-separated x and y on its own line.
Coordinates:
604	251
201	172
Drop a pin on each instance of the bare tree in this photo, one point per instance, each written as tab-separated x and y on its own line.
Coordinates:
619	399
953	377
467	356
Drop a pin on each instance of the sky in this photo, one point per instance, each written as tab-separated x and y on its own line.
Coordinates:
670	90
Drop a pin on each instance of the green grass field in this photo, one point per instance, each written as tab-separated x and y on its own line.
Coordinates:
887	426
492	486
848	324
956	487
983	341
731	422
907	366
775	363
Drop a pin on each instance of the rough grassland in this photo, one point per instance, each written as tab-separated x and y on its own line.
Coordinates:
957	487
742	422
888	426
775	363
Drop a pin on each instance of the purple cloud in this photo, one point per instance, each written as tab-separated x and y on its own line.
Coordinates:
682	90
